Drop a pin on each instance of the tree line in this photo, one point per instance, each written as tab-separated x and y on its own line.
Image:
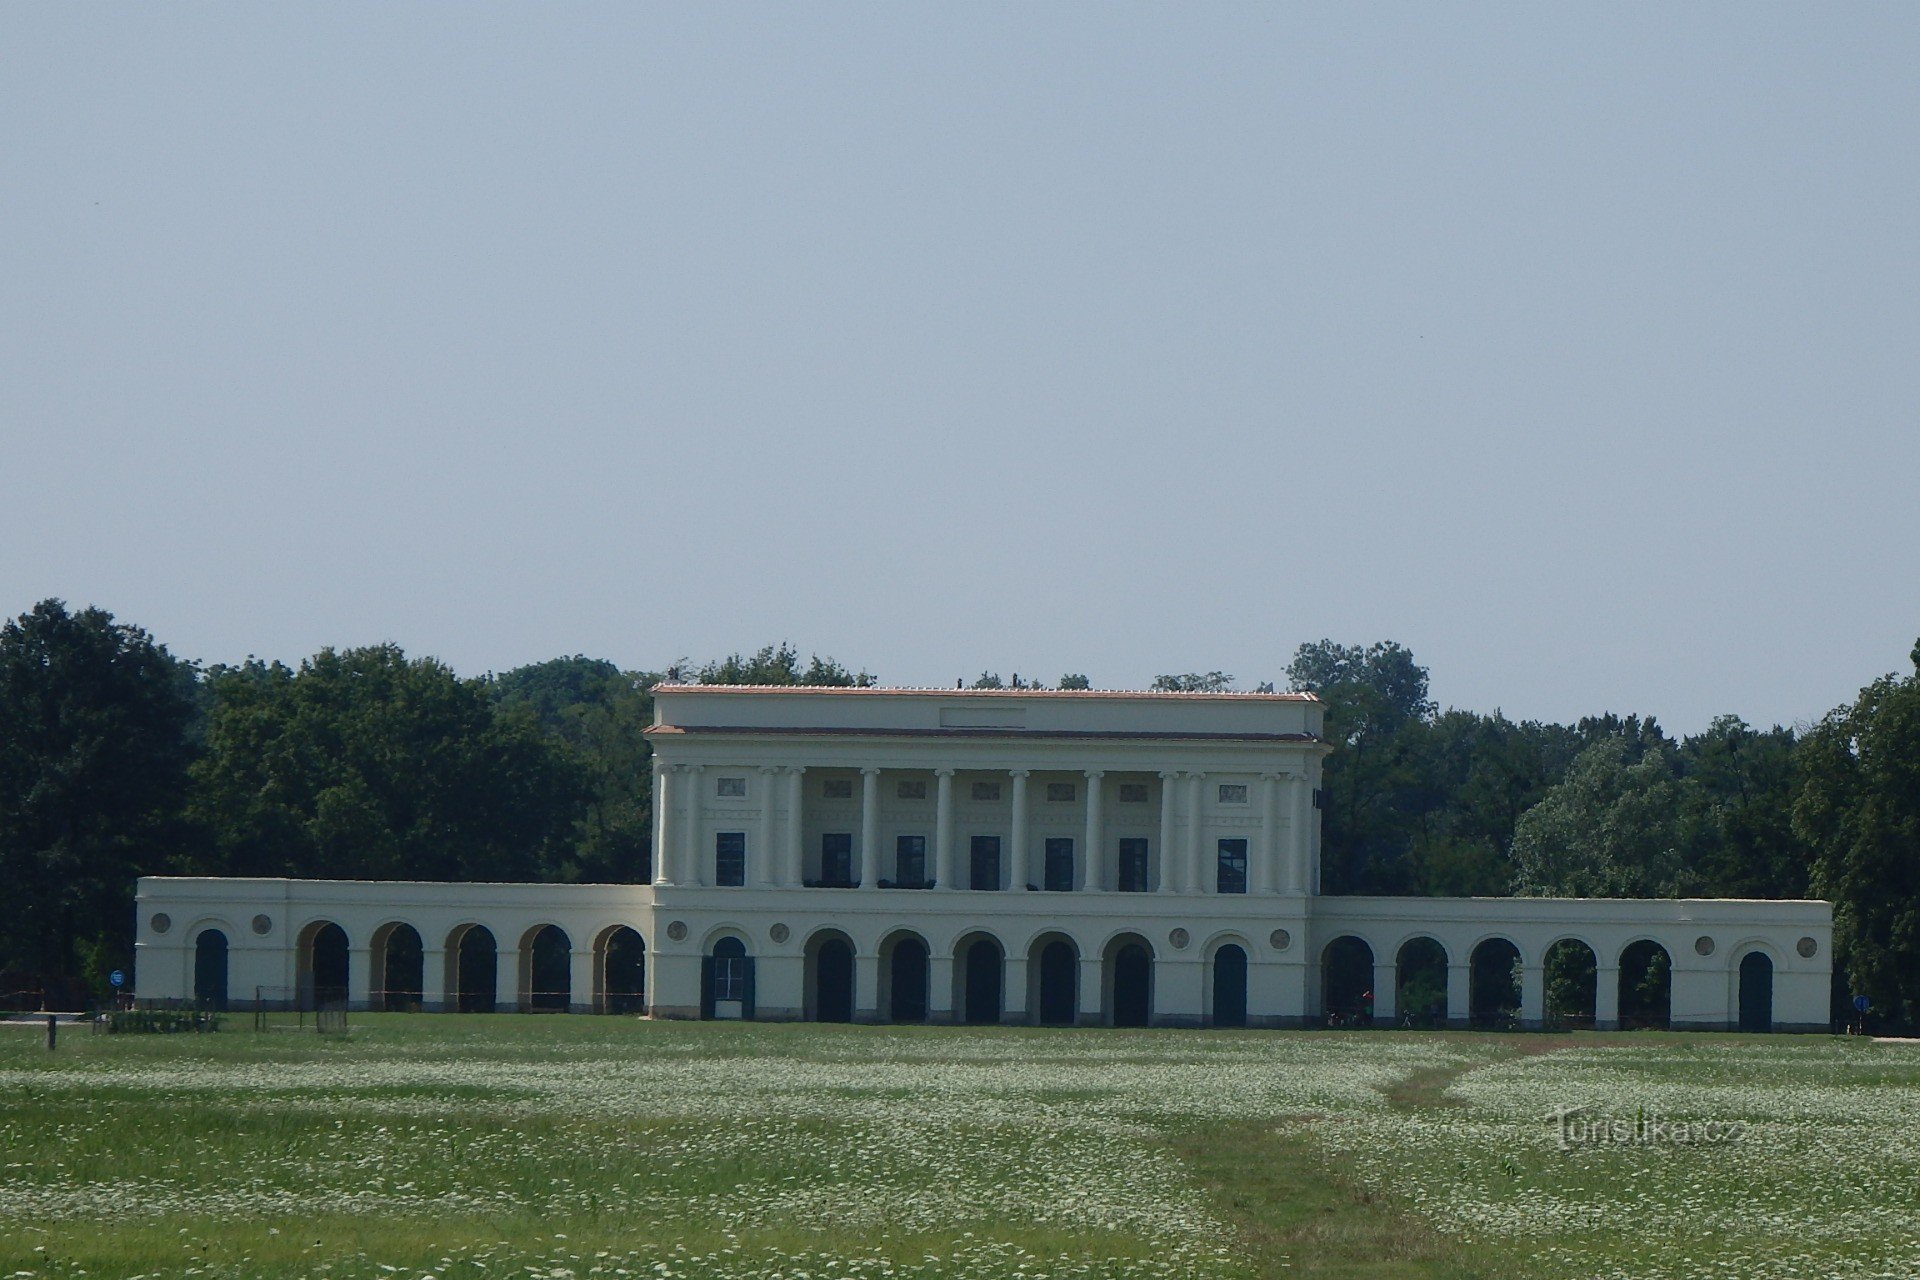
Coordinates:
118	760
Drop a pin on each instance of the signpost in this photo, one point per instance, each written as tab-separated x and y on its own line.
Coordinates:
117	979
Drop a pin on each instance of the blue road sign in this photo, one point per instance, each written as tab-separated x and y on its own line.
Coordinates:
118	978
1859	1004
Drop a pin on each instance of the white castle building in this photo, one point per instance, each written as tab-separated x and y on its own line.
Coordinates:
1023	856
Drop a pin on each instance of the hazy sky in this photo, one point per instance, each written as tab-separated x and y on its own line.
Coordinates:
1575	349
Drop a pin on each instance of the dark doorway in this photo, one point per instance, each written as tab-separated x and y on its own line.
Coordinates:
833	981
983	982
1059	983
726	981
1230	986
475	972
1572	985
1756	992
1346	982
624	981
1132	986
402	964
1420	983
550	970
907	975
326	967
1494	986
210	969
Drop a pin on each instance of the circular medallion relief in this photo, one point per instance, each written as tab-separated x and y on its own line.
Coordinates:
1807	947
677	930
1179	938
1280	939
779	933
263	924
1703	945
161	922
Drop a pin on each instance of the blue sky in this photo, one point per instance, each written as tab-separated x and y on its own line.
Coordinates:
1573	348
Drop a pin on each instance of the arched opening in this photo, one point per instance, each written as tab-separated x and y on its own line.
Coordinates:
829	963
1493	989
1346	982
546	970
621	965
1420	983
1128	978
475	970
726	980
1053	978
210	969
1646	987
320	965
978	974
1572	985
1230	985
1756	991
399	966
903	970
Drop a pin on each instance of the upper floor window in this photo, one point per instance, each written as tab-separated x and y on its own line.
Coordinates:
1133	793
1232	876
734	787
911	789
986	863
1233	793
986	791
910	862
1061	792
1059	868
836	789
730	858
836	859
1133	864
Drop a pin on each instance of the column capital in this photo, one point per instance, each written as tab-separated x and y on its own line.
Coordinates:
1274	777
944	773
796	769
1094	775
870	770
1020	773
1169	775
1196	774
769	768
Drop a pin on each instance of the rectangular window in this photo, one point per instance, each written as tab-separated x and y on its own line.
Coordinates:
837	789
729	978
1133	793
734	788
1133	864
836	859
1233	793
1061	792
912	789
730	858
986	863
986	791
1232	877
910	862
1059	873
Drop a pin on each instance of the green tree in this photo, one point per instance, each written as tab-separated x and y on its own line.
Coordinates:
1193	682
1615	827
780	665
94	719
364	764
1742	786
1859	810
1075	681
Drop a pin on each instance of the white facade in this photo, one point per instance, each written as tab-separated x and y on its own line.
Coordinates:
1019	856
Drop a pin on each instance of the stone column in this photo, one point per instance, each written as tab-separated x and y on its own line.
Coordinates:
581	996
1533	995
1092	975
693	859
1095	855
663	832
870	829
943	843
1172	872
763	863
940	987
1017	878
1198	879
796	827
1606	998
1302	846
866	987
433	980
361	983
1385	992
506	975
1459	994
1262	878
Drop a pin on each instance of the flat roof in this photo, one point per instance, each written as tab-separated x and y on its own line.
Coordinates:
920	692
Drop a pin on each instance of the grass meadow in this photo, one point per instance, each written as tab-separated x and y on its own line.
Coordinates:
515	1146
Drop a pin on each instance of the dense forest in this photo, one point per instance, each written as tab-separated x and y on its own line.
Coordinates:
118	759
